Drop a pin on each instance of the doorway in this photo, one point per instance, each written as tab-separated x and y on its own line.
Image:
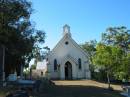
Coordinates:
68	70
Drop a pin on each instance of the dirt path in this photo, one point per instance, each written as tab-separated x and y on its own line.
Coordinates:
87	83
77	89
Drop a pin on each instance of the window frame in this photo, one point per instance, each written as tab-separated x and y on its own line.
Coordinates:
79	63
55	65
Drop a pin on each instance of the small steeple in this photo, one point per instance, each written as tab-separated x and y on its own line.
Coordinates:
66	30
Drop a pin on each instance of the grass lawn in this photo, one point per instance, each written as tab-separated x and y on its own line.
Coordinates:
5	90
2	94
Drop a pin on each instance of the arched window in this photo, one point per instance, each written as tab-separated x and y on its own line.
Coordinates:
79	63
55	65
41	73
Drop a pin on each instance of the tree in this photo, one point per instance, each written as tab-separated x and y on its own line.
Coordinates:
18	34
108	58
123	70
90	48
119	37
33	66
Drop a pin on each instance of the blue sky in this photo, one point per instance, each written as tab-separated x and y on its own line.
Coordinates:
87	18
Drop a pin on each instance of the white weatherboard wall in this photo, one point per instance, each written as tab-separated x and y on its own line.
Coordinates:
67	50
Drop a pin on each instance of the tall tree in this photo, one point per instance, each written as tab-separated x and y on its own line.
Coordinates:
90	48
119	37
17	34
107	58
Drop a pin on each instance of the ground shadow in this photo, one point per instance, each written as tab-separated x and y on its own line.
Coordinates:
51	90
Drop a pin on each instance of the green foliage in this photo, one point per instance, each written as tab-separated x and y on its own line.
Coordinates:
112	53
90	48
107	57
33	66
123	70
18	34
117	36
100	75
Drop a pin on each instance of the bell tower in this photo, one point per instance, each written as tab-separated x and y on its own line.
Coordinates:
66	30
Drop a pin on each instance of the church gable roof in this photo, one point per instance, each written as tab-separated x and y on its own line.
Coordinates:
78	47
60	42
68	37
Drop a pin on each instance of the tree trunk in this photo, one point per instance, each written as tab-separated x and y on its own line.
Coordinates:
108	80
30	73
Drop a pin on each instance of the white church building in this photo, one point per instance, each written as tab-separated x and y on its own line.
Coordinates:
67	60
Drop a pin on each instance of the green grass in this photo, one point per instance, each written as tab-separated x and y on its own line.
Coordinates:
5	90
2	94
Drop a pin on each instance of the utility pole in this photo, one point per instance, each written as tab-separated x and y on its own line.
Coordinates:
21	72
3	66
3	62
